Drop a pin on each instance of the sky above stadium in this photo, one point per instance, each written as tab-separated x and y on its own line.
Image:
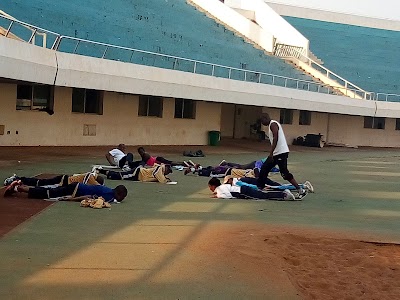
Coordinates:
382	9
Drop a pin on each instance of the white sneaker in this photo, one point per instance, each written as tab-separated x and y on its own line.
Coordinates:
309	186
126	168
301	194
95	168
287	195
10	179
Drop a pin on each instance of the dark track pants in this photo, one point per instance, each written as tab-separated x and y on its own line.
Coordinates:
128	158
220	170
163	160
251	165
46	193
132	175
281	161
250	193
41	182
254	181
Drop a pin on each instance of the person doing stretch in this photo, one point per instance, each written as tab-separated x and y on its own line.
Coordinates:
118	157
221	171
229	191
60	180
152	160
270	184
71	192
156	174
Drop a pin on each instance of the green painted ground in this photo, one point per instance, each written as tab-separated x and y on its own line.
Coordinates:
356	191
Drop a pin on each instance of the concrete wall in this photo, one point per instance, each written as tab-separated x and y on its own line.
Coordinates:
350	130
239	23
272	22
119	123
339	129
245	116
227	120
330	14
19	60
88	72
319	124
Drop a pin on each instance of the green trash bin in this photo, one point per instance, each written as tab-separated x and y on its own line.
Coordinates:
214	137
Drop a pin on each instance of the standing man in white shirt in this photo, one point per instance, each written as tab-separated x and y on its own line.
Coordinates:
118	157
278	155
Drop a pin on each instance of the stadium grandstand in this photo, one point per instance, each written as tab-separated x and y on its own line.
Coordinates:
166	72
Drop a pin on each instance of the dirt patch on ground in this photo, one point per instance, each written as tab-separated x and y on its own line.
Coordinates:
319	267
16	210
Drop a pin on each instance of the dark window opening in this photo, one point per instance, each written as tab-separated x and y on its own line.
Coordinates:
150	106
374	123
185	109
286	116
305	117
34	97
87	101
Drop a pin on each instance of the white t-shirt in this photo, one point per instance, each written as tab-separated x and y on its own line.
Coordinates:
117	155
224	191
281	146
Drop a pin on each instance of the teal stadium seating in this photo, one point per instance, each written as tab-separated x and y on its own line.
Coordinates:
368	57
170	27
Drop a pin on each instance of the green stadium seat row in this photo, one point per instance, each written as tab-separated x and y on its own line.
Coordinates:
368	57
168	27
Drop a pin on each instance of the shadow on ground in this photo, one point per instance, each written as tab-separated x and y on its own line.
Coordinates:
170	242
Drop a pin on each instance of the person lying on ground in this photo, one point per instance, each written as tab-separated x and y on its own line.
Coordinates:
152	160
118	157
250	165
60	180
158	173
221	171
269	185
229	191
71	192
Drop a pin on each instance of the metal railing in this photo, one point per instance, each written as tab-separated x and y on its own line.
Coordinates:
288	51
282	50
104	50
24	31
79	46
386	97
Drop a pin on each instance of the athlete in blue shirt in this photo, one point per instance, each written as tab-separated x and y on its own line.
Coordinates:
70	192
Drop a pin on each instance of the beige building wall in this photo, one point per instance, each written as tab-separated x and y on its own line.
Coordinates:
340	129
350	130
227	119
24	62
119	123
319	123
246	115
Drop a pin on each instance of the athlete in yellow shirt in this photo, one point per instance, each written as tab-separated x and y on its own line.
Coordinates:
158	173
